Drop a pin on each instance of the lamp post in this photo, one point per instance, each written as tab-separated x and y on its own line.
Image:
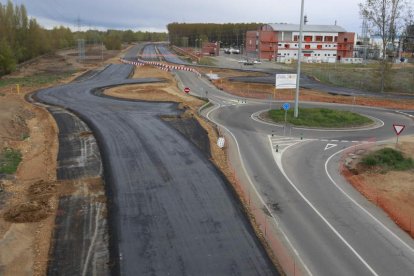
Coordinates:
296	111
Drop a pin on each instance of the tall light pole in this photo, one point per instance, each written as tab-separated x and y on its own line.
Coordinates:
296	112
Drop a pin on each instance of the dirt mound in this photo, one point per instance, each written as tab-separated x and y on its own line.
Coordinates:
42	190
31	211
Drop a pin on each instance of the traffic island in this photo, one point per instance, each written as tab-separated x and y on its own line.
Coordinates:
319	118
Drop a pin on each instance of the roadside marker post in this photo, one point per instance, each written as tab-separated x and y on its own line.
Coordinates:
398	129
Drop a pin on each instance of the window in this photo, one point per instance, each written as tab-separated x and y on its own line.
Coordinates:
336	38
296	45
318	38
334	55
345	39
307	55
307	46
328	38
295	38
280	44
308	38
287	46
319	46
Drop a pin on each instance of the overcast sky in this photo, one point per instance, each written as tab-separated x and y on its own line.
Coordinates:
154	15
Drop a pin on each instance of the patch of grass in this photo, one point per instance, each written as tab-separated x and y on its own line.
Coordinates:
39	79
207	61
388	159
9	160
320	117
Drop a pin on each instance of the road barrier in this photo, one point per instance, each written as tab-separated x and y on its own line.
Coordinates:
162	66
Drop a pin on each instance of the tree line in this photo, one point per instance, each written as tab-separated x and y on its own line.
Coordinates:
22	38
193	34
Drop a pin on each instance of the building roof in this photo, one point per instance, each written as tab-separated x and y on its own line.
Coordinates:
307	28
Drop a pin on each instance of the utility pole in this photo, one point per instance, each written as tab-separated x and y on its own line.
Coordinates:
296	111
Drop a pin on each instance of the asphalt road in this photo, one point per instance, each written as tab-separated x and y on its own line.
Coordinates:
170	210
333	228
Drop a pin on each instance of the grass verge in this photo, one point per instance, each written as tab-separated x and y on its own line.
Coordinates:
39	79
9	160
320	117
207	61
388	159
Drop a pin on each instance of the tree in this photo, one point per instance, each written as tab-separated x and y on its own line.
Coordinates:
112	40
7	60
385	19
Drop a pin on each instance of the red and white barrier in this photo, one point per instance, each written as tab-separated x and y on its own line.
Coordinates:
162	66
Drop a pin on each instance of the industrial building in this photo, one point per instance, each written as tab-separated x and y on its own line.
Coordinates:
321	43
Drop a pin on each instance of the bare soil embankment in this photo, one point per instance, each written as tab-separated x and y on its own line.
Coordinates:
393	191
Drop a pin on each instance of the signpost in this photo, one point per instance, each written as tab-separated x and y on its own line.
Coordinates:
285	81
286	107
398	129
187	90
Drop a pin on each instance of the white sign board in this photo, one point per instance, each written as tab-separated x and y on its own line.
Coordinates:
220	142
212	76
285	81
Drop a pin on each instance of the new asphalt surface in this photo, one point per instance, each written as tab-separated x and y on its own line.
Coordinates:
170	210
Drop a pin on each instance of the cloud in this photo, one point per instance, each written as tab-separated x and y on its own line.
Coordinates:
156	14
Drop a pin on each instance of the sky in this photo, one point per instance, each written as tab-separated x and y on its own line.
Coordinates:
154	15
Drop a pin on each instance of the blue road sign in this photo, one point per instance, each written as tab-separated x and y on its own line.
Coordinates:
286	106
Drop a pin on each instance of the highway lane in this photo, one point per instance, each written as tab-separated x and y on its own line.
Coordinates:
321	245
171	212
149	52
169	56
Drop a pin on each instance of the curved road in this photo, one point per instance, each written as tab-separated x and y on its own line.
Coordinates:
334	230
171	212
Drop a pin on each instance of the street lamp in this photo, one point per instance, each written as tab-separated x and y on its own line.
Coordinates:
296	111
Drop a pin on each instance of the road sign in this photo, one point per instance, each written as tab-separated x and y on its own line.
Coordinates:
286	106
187	90
285	81
398	128
220	142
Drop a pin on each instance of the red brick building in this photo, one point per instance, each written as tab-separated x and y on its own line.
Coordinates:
325	43
210	49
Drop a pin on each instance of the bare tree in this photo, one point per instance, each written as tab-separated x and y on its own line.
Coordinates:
385	18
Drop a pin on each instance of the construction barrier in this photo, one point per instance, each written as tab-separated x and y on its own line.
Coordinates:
162	66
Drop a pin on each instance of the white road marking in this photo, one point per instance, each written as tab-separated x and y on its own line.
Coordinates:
329	146
258	195
278	159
